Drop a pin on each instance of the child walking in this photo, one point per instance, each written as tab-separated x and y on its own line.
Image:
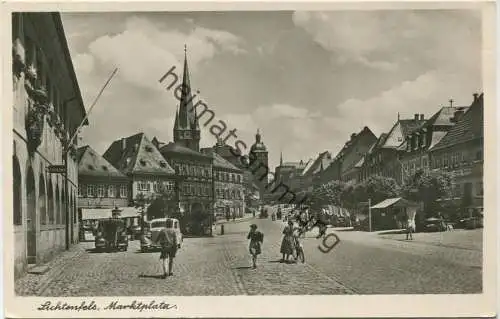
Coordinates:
256	240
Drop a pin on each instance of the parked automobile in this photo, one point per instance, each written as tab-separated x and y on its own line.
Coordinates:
111	235
434	224
149	240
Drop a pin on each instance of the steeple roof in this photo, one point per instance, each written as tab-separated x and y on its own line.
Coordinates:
186	118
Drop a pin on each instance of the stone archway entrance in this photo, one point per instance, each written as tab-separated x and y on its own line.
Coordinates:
31	216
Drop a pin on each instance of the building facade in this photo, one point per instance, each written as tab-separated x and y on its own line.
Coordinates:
100	184
148	172
352	153
229	187
194	172
48	110
383	159
461	152
414	151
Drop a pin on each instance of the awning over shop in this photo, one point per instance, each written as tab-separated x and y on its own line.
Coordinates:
395	202
102	213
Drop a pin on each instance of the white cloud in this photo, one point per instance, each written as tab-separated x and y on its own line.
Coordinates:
382	39
143	52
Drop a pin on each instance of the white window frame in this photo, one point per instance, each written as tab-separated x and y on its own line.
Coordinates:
111	191
123	191
101	191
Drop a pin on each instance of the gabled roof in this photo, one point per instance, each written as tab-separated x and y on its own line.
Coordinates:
408	126
353	140
219	161
400	130
137	155
445	116
175	148
90	163
469	127
322	161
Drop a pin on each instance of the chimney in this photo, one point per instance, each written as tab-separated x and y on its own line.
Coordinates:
476	97
416	117
422	117
124	144
353	135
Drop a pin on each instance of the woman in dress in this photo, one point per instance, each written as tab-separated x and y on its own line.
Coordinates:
287	242
256	239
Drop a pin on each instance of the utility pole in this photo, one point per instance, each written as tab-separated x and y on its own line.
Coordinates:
370	213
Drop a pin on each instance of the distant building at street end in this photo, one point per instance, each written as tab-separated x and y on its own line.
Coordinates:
291	174
149	174
228	186
461	152
259	165
47	111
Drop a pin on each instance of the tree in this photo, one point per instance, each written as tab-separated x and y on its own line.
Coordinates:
163	205
376	188
327	194
427	188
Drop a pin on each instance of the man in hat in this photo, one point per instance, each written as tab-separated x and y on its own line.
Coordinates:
256	240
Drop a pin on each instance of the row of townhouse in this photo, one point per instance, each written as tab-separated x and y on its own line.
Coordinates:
450	140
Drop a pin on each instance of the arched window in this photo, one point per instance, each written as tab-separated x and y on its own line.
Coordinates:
17	191
50	199
58	204
42	208
63	207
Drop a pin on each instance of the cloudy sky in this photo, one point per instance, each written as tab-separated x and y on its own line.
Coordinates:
306	79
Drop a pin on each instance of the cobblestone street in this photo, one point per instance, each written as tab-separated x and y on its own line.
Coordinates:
361	263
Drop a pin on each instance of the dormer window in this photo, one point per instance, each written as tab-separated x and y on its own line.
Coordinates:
143	162
104	168
163	164
90	167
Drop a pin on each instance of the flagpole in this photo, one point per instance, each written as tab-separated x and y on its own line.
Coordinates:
92	106
66	148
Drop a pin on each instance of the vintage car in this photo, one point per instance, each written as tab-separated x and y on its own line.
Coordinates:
434	224
111	235
149	240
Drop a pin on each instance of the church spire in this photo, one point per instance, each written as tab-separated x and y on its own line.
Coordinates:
186	127
187	114
281	158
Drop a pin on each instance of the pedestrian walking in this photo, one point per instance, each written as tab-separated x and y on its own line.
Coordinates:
168	241
410	228
256	240
287	242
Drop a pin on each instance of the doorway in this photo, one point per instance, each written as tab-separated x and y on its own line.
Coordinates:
31	216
